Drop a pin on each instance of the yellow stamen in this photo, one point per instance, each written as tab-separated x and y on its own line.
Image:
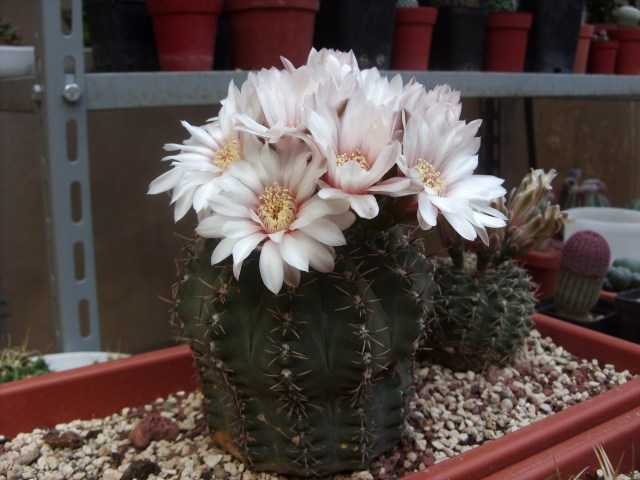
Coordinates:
228	154
277	208
430	177
355	155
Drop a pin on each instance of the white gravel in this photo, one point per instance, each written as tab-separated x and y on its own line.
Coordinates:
451	412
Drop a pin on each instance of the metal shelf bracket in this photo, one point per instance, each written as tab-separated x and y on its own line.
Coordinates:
63	116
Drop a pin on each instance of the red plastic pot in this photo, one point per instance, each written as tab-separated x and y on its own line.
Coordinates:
262	31
564	439
185	32
602	57
628	58
542	266
412	37
582	49
505	43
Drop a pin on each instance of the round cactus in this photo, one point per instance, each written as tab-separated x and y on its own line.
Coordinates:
584	263
483	315
313	380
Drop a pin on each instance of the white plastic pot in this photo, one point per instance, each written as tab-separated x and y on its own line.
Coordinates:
16	61
620	227
58	362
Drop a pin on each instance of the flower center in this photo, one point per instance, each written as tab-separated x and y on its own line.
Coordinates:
277	208
355	155
430	177
228	154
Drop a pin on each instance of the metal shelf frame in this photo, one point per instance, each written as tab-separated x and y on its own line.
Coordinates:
61	93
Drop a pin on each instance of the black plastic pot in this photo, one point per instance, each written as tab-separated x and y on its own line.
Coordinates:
458	39
554	33
121	35
364	26
628	309
605	310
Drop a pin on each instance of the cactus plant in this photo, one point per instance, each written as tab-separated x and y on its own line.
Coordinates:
502	5
584	263
485	307
588	193
18	362
305	305
8	33
327	360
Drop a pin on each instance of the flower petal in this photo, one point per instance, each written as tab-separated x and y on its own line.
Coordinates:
271	268
294	253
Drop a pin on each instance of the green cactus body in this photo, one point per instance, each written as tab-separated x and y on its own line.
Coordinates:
483	315
633	204
313	380
19	363
583	267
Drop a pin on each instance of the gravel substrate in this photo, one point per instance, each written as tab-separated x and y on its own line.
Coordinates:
451	412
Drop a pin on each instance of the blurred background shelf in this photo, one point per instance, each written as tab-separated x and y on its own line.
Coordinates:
105	91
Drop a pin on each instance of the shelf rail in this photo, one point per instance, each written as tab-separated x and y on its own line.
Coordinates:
61	101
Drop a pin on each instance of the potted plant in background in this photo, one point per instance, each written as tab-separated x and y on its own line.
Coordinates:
585	37
583	266
15	59
628	37
263	31
602	54
554	34
459	35
185	33
506	36
362	26
412	35
120	34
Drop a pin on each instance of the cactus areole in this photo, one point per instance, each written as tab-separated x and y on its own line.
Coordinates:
306	293
313	380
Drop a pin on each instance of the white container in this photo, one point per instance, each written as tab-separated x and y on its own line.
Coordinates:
16	61
620	227
58	362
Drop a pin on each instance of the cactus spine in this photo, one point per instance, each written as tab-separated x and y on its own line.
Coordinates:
583	266
313	380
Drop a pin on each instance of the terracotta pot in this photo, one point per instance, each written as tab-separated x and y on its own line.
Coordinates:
602	57
542	266
582	49
185	32
262	31
628	58
505	43
562	440
412	38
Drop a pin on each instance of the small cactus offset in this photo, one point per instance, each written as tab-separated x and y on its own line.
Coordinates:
328	360
486	301
483	316
584	263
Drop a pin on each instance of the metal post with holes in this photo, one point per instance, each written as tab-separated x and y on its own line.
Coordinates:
59	94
